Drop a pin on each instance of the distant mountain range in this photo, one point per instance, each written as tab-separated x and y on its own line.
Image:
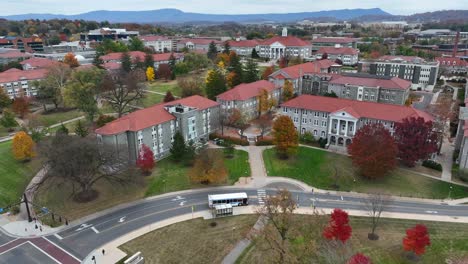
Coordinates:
178	16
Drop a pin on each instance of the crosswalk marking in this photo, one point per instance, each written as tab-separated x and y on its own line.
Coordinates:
261	196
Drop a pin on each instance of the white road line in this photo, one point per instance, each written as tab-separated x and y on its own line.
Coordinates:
43	252
59	247
9	242
95	230
13	247
58	236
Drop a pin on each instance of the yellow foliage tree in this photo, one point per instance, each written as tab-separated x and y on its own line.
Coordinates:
150	74
288	91
209	168
263	102
285	136
23	146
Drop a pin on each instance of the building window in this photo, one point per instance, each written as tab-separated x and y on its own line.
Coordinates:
316	122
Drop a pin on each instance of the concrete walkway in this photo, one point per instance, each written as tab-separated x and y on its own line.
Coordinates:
446	159
153	92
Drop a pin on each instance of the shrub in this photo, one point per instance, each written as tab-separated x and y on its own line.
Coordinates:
230	140
323	142
14	210
104	119
264	142
432	165
463	175
307	138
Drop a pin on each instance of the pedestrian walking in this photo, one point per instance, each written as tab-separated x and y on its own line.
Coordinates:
103	252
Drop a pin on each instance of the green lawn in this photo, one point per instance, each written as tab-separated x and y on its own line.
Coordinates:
317	168
4	131
448	241
151	99
238	166
163	87
14	175
52	118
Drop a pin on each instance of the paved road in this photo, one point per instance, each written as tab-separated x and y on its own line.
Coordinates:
425	102
79	241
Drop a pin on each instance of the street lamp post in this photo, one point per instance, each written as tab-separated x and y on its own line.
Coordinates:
450	192
164	185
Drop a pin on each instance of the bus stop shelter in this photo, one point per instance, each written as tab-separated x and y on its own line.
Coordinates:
221	210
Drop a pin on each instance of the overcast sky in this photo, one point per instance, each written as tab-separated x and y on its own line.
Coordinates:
397	7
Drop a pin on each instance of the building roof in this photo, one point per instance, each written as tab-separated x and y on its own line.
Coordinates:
13	53
338	50
118	55
372	81
153	115
246	91
166	56
37	63
111	65
244	43
400	58
450	61
153	38
15	75
333	40
358	109
294	72
286	41
201	41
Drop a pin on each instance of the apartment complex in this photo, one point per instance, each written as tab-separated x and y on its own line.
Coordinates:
195	117
324	42
245	97
348	56
9	55
453	65
159	44
370	88
198	44
244	47
422	75
17	83
337	120
108	33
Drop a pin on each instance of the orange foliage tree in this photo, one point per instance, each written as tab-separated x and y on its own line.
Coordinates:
373	150
209	168
285	136
23	146
267	72
21	106
288	91
70	60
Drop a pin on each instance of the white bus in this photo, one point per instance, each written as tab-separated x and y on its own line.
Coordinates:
234	199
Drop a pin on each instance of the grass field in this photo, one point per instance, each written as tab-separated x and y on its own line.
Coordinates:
151	99
163	87
317	168
448	241
238	166
14	175
193	241
53	118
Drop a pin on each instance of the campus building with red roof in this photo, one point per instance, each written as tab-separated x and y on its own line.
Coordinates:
348	56
337	120
110	60
284	46
195	117
17	83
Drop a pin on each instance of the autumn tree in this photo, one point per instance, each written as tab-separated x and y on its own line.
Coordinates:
190	86
164	72
70	60
283	62
215	83
267	72
251	71
264	122
150	74
50	89
8	120
83	91
80	163
5	100
416	140
295	60
209	168
20	106
376	203
265	101
238	120
145	160
232	79
373	151
359	258
227	47
285	135
288	91
443	113
416	240
121	90
22	146
168	97
81	130
235	68
338	227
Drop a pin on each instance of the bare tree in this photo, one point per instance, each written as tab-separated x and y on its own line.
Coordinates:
50	89
335	252
79	162
264	123
443	112
121	90
190	86
376	203
223	120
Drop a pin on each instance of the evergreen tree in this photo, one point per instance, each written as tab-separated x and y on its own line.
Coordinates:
62	130
97	61
81	130
136	44
149	60
254	54
227	48
126	62
251	71
212	51
178	148
215	84
139	64
172	66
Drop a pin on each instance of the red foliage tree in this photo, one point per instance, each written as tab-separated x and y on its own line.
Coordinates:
359	259
283	62
416	240
169	97
338	227
164	71
373	150
416	140
145	160
325	56
267	72
21	106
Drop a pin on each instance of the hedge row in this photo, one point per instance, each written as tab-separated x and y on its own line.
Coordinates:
432	165
264	142
232	140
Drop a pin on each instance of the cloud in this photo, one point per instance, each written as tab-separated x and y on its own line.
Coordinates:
10	7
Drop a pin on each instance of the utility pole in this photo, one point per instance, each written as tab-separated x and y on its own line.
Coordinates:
27	207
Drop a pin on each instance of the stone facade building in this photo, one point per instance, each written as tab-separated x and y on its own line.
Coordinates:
195	117
337	120
284	46
17	83
245	97
159	44
348	56
322	42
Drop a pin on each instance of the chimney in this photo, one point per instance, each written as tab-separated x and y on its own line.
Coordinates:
455	46
285	32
